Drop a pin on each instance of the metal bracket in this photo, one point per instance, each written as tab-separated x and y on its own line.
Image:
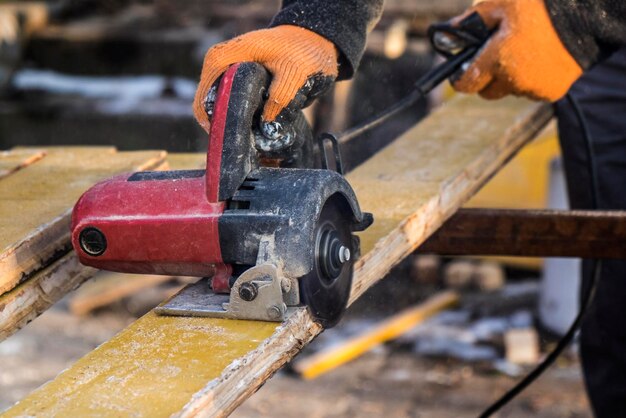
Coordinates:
257	294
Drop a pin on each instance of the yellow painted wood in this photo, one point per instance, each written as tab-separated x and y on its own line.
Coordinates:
154	366
412	170
186	161
35	202
412	186
523	183
151	369
335	356
11	161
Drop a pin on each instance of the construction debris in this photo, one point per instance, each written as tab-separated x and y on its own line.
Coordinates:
522	346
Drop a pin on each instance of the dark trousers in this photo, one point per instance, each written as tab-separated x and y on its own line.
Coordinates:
602	95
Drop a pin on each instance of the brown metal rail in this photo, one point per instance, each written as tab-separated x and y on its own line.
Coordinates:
532	233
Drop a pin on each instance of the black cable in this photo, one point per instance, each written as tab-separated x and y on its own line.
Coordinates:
588	293
422	87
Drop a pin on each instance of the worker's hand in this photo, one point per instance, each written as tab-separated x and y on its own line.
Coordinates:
524	57
303	65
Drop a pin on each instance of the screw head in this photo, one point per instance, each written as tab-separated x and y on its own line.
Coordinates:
248	291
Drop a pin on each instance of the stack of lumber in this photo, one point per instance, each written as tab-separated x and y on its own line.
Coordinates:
38	189
161	366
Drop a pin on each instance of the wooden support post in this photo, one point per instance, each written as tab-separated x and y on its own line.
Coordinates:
202	367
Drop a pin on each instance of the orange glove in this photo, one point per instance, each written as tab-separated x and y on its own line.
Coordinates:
525	57
303	65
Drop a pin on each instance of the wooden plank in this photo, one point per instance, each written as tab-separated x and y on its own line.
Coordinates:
158	364
27	301
14	160
108	287
186	161
36	202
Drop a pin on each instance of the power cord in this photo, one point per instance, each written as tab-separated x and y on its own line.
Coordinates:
588	293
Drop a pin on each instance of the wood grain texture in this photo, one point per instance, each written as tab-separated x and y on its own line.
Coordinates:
412	186
36	203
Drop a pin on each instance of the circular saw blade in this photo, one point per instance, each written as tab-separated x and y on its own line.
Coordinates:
326	289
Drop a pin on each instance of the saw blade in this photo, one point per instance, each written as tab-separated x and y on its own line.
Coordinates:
326	289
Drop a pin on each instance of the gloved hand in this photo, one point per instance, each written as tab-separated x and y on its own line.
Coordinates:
524	57
303	65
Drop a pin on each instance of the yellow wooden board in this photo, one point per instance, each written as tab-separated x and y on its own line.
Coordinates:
178	356
36	201
206	367
523	183
151	369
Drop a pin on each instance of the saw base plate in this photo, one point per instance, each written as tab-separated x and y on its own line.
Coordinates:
199	300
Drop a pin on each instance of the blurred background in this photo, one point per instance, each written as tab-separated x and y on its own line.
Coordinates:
123	73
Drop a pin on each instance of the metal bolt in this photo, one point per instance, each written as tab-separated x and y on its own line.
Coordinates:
274	312
248	291
344	254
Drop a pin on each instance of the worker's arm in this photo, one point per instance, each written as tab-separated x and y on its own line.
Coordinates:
344	22
590	29
540	48
308	45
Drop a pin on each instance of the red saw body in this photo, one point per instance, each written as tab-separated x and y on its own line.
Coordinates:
258	233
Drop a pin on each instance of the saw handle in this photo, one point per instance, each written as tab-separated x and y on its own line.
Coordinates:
235	134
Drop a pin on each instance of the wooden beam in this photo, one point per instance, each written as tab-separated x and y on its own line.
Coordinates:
36	203
531	233
206	367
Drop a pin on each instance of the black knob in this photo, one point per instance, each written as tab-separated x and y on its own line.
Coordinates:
92	241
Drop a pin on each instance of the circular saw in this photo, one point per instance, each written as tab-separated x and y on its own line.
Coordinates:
269	230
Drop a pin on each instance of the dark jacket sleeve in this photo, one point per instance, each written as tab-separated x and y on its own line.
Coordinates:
590	29
343	22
